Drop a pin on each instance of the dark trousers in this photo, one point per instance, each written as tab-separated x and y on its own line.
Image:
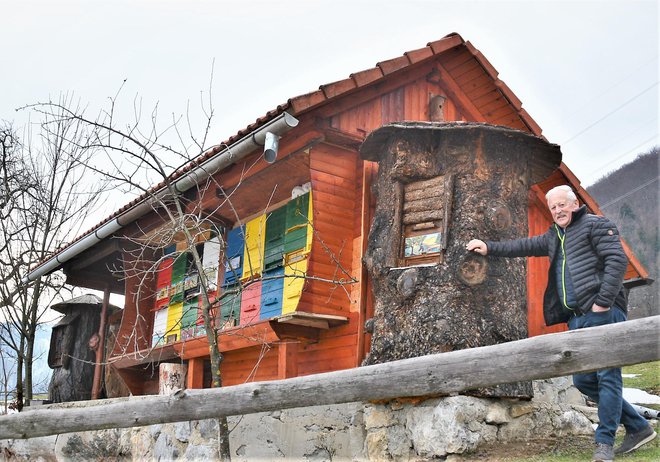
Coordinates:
605	387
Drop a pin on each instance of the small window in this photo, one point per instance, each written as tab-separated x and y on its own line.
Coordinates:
426	210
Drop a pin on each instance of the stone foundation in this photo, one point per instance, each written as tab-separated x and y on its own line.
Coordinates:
398	430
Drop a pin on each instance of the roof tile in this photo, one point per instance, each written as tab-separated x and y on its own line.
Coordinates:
531	123
393	65
415	56
333	89
367	76
445	43
506	91
482	59
303	102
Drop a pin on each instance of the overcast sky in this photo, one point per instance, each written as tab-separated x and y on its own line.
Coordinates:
586	71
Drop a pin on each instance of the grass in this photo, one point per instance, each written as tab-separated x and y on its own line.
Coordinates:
582	449
648	377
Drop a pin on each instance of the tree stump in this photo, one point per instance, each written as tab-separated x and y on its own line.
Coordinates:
438	186
171	377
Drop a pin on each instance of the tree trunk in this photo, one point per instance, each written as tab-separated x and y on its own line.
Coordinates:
19	374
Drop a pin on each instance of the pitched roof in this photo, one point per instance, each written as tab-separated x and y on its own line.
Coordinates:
460	68
469	77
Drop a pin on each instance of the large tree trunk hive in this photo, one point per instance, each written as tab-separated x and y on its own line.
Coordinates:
440	185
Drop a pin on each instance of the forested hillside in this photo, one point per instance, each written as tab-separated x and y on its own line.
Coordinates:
629	196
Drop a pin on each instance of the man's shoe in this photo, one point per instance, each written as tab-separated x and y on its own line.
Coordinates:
633	441
603	453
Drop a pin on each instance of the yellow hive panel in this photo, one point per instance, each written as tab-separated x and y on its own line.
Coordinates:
253	252
174	313
293	286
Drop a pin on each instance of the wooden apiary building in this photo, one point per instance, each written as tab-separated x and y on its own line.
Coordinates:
283	242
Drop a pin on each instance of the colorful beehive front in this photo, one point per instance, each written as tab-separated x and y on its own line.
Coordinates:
263	276
230	306
253	255
250	303
297	245
272	290
234	255
160	327
189	318
274	245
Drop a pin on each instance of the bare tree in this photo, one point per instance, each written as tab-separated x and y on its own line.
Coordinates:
6	371
44	201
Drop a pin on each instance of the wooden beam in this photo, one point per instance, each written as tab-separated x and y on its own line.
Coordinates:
287	362
100	349
195	378
99	252
534	358
457	95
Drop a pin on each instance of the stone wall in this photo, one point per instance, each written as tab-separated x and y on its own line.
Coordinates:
398	430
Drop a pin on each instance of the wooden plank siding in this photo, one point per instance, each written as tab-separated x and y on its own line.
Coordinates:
249	365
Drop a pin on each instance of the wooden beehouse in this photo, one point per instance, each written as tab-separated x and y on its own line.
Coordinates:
285	253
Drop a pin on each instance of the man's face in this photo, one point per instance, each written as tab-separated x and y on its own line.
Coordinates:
561	208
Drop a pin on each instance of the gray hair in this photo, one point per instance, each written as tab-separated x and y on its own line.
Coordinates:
570	194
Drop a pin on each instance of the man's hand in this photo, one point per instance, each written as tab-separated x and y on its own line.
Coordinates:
476	245
599	309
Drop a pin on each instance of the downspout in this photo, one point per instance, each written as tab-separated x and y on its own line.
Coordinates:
227	156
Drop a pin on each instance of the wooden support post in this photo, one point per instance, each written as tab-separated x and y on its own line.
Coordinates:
195	377
287	365
100	349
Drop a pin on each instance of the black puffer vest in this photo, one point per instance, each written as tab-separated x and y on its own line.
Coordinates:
595	260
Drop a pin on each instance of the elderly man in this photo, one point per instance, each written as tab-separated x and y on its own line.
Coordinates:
585	289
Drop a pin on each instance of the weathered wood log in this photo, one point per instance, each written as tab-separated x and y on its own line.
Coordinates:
469	180
534	358
171	377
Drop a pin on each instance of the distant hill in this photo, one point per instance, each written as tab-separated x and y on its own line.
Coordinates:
629	196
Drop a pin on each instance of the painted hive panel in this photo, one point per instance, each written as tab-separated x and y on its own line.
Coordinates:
211	264
174	312
294	282
274	245
163	281
190	313
255	233
178	275
271	293
230	306
297	226
234	258
160	326
251	303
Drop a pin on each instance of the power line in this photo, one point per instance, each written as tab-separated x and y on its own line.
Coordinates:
632	150
630	192
609	114
632	73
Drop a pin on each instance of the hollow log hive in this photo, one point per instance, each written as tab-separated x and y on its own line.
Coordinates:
440	185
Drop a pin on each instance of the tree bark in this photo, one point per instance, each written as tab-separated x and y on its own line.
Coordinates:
529	359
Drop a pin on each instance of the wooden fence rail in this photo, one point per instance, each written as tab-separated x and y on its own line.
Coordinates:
539	357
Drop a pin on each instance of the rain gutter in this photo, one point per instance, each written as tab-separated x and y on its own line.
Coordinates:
227	156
